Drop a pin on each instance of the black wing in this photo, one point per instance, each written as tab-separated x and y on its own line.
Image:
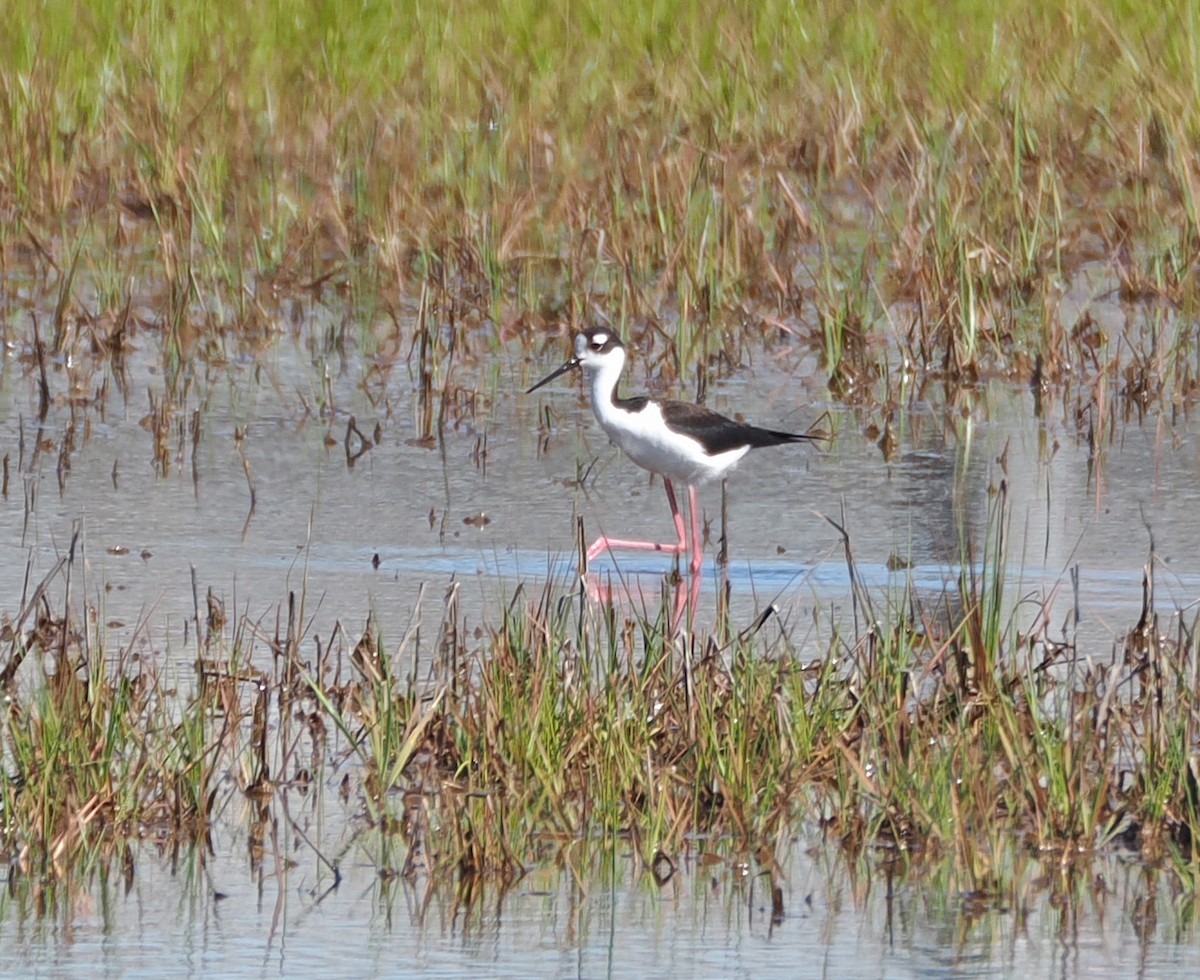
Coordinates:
719	434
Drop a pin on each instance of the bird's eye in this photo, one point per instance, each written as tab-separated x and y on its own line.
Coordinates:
599	340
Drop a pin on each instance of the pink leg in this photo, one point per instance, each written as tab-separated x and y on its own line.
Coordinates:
605	543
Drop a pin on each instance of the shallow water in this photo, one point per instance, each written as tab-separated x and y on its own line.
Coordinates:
431	516
713	918
155	542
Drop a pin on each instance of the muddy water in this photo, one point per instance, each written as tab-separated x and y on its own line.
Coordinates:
493	505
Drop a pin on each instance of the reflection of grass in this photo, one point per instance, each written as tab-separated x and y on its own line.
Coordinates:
929	725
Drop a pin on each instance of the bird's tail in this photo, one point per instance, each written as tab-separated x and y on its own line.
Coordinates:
820	431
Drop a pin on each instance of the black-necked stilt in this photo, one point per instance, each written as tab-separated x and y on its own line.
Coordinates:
677	440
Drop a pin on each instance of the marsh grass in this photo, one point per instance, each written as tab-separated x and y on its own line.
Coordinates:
919	183
929	728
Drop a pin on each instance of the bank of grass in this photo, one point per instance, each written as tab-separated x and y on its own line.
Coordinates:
929	728
905	183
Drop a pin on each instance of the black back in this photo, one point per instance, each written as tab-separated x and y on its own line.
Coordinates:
715	432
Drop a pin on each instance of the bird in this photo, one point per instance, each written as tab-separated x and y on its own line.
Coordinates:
680	441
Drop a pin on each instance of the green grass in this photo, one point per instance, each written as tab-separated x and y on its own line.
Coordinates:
566	728
676	164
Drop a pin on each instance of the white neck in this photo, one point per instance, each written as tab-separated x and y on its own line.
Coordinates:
603	376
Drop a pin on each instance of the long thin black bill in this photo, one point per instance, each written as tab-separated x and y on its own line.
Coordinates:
570	365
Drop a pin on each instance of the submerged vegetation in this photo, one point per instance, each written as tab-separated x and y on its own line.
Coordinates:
904	195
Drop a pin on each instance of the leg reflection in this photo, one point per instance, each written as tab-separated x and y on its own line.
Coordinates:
684	602
640	589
